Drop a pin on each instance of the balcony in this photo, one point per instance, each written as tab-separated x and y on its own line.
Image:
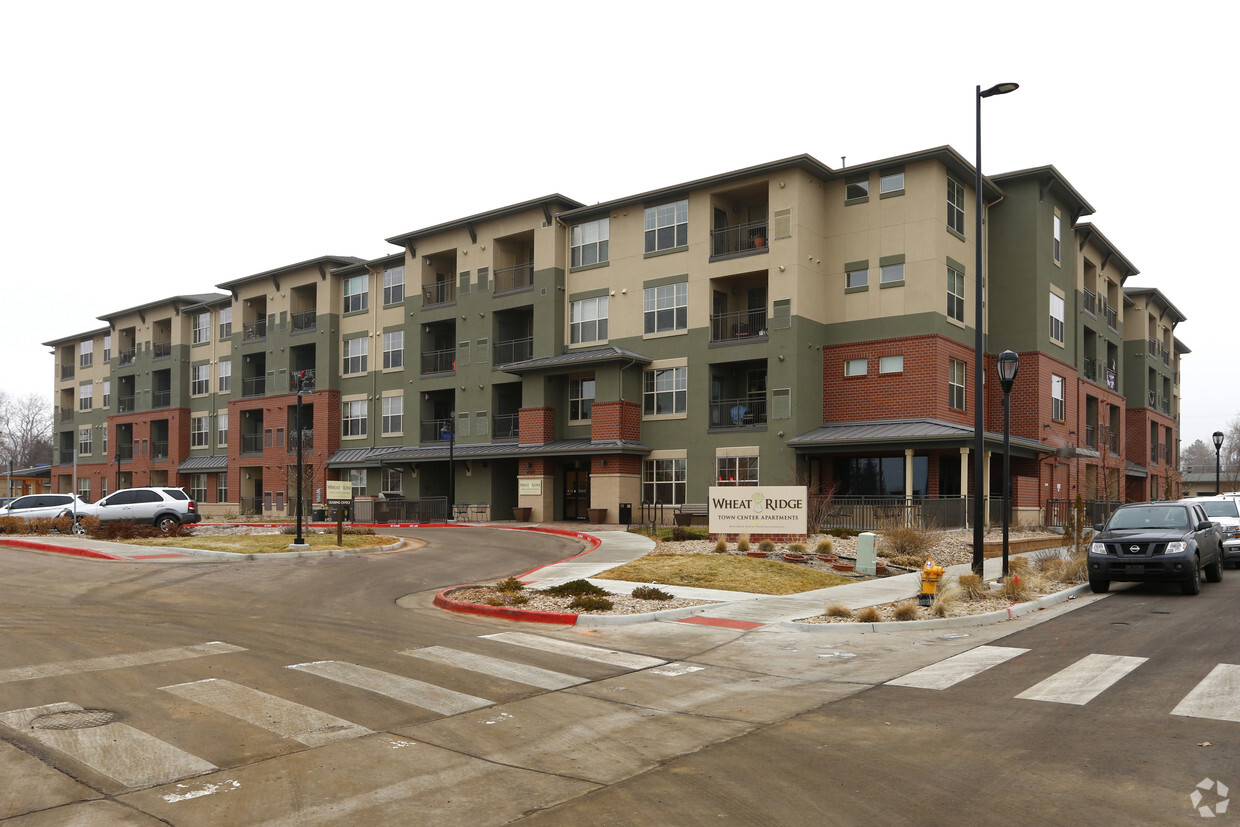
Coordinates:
505	427
1166	356
159	449
514	350
253	331
124	452
512	279
66	414
435	430
439	292
66	372
439	361
161	399
1153	399
739	239
1091	436
1088	369
743	324
1153	348
307	441
738	413
1165	405
256	386
305	320
161	349
1115	441
1112	318
125	357
1090	303
124	404
251	443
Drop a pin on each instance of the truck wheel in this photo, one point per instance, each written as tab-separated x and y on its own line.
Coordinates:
1099	586
1193	584
1214	571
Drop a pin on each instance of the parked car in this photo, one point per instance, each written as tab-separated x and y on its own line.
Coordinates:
1224	510
160	506
34	506
1162	541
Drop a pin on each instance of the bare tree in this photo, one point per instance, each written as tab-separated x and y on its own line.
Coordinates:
25	430
1197	457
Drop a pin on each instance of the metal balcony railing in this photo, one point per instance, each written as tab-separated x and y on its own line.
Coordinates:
253	331
307	440
305	320
1087	369
517	277
1165	405
161	399
739	238
124	404
439	292
743	324
255	386
125	356
435	430
513	350
66	372
161	348
1112	318
125	452
745	412
159	449
1090	302
439	361
251	443
1091	436
1153	348
505	427
1153	399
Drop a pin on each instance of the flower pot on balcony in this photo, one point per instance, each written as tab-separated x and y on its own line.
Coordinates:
522	513
597	516
759	241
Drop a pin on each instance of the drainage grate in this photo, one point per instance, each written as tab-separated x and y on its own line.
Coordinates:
75	719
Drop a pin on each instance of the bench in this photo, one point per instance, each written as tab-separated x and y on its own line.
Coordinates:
691	513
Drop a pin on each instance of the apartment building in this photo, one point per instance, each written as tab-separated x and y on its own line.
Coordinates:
781	324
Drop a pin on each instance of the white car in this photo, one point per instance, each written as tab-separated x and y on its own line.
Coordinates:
1224	510
35	506
161	506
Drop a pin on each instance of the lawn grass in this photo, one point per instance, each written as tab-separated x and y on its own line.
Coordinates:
727	572
267	543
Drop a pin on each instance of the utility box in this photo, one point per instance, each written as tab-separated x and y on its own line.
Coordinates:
626	513
867	553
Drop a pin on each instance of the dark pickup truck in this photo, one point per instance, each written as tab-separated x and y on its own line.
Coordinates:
1162	541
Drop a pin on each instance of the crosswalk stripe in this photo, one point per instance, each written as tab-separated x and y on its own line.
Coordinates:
116	750
957	668
73	667
405	690
1216	697
1084	680
285	718
518	672
597	654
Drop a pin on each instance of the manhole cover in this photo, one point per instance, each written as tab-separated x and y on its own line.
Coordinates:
75	719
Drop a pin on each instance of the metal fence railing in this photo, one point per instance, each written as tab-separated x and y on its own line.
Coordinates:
424	510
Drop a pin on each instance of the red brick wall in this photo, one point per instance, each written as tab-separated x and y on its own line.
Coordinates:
920	390
537	425
616	464
617	419
276	459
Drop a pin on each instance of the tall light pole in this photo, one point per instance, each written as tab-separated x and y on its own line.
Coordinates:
448	429
304	378
979	422
1009	362
1218	447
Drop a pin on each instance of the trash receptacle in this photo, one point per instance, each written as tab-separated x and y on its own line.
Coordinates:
320	515
626	513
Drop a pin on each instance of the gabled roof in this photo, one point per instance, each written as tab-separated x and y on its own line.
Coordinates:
575	358
90	334
548	202
323	263
178	303
1142	292
382	262
1087	233
1049	178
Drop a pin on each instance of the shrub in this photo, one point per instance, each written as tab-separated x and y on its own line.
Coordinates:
906	610
357	529
742	543
839	610
721	546
843	532
679	533
11	525
767	546
41	525
945	601
511	584
1019	564
906	542
574	588
1016	588
518	599
869	614
591	603
972	587
1070	570
825	546
650	593
90	524
797	548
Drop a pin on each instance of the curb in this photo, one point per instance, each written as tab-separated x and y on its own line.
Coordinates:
507	612
77	552
987	619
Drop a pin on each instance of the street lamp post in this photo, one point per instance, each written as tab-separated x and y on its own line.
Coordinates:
449	430
304	378
1009	362
979	501
117	457
1218	447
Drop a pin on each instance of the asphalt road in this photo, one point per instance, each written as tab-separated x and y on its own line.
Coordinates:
329	691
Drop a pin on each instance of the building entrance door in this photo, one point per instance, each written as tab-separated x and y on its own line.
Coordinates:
576	493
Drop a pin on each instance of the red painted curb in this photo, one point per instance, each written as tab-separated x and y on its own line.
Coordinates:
444	602
79	552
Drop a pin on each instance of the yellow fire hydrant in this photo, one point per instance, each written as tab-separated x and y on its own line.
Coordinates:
929	583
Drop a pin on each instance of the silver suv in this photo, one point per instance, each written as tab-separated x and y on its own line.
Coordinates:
163	507
36	506
1224	510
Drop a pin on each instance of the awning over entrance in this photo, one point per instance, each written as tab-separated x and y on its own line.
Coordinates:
903	434
373	457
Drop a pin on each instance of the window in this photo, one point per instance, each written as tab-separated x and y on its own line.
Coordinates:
1058	406
355	295
1055	239
736	470
200	382
353	418
667	226
891	182
588	243
86	397
225	322
393	285
891	273
955	207
221	488
666	391
1056	318
357	477
856	367
955	294
667	307
107	392
857	278
393	481
393	416
955	385
202	328
225	376
857	190
891	364
198	487
580	398
86	354
588	320
355	352
394	349
199	430
103	438
83	488
85	440
221	430
107	346
663	481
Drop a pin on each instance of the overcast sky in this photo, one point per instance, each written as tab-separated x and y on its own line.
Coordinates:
152	149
